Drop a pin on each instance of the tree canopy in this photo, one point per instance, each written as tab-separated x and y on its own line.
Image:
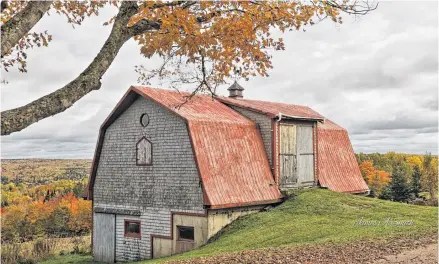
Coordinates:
201	42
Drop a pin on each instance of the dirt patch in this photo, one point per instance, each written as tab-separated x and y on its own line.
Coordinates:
421	255
402	250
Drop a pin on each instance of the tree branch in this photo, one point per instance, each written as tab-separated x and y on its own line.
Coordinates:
4	5
90	79
143	26
20	24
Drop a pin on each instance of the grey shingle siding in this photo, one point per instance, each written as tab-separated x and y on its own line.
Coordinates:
265	128
170	184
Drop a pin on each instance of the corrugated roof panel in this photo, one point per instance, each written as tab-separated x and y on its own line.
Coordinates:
232	164
228	147
229	150
273	109
198	108
338	169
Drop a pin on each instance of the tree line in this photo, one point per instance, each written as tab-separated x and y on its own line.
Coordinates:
401	177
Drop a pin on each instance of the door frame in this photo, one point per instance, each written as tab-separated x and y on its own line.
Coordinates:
114	233
278	155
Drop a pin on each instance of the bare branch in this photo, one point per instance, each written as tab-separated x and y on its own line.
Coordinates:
356	8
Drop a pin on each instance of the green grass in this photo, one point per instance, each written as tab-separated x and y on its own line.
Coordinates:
70	258
317	216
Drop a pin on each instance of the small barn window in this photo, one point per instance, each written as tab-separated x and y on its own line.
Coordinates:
132	228
144	119
185	233
144	152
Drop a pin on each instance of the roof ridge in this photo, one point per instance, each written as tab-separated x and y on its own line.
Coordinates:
262	101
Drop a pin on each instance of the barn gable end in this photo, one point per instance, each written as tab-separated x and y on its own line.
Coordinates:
148	194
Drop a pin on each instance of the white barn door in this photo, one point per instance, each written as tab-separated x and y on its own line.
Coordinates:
288	156
305	162
104	228
296	155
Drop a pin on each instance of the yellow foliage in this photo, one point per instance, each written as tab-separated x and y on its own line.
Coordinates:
415	160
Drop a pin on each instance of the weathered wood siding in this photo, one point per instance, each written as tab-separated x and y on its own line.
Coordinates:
200	232
218	219
288	156
265	127
305	162
104	237
162	247
296	154
127	248
165	246
171	183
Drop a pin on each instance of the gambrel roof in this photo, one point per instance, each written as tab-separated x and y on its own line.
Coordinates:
274	109
336	163
229	152
228	148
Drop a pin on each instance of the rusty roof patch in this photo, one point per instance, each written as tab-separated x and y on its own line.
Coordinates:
338	168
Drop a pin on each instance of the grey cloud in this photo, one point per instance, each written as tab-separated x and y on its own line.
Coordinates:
401	122
376	76
431	104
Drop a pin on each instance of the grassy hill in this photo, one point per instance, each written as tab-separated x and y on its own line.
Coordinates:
313	217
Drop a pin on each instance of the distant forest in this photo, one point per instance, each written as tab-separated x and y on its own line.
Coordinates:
44	198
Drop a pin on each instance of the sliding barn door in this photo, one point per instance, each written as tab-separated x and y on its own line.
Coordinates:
296	155
104	228
305	155
288	156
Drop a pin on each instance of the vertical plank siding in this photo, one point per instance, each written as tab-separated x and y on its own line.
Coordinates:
104	237
305	154
296	155
288	158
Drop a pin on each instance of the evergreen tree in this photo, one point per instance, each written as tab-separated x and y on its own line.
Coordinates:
386	194
401	191
416	180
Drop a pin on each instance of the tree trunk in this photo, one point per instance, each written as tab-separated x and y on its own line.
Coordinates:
20	24
90	79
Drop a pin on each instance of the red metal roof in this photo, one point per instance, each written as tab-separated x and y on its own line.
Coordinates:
198	108
337	166
228	149
273	109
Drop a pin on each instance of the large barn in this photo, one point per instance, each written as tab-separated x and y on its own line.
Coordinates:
169	173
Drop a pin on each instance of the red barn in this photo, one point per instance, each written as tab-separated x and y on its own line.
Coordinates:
169	173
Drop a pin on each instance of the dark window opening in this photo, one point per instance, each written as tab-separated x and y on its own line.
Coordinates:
132	228
185	233
144	120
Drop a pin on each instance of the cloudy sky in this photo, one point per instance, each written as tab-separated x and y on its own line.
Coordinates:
376	75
